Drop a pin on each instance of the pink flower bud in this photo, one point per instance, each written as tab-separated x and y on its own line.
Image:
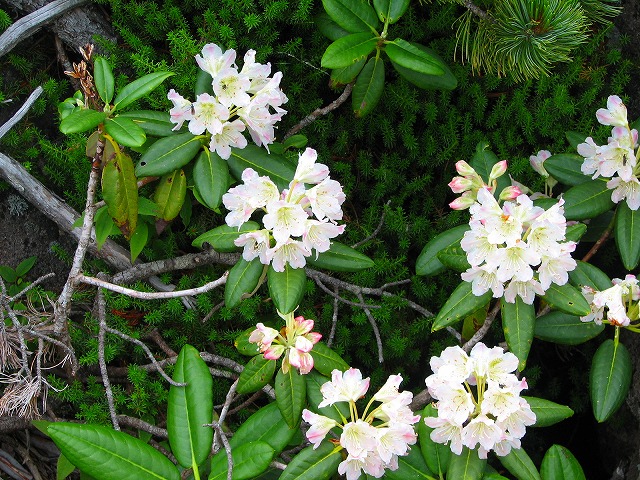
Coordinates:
498	170
510	193
464	169
460	184
462	203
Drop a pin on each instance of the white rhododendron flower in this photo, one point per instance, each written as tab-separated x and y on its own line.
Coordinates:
617	160
517	249
243	99
298	221
619	303
491	416
373	439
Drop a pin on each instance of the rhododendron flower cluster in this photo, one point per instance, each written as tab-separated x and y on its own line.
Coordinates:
295	340
506	243
374	439
470	183
617	159
246	98
299	219
493	417
620	301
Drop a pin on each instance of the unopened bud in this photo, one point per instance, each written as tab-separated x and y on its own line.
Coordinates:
498	170
510	193
460	184
463	202
464	169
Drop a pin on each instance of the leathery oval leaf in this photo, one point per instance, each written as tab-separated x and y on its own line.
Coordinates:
120	192
170	194
168	154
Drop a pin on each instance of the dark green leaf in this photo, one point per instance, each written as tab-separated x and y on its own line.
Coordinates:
344	75
170	194
587	274
520	465
609	378
341	258
547	412
518	321
428	263
104	226
575	138
221	238
138	240
287	287
190	408
81	121
627	232
107	454
568	299
276	167
314	464
466	466
326	360
256	374
120	192
390	10
211	178
64	468
243	280
296	141
560	464
587	200
352	15
369	87
156	124
168	154
25	265
139	88
266	425
204	83
445	81
565	167
8	274
454	257
244	346
329	28
125	131
575	232
291	395
103	79
314	381
249	460
413	58
348	50
437	455
410	467
560	327
461	303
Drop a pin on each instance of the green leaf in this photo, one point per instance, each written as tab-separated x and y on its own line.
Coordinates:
560	327
560	464
520	465
64	468
125	131
587	274
287	287
244	346
211	178
156	124
547	412
204	83
428	262
575	232
568	299
147	207
329	28
587	200
103	79
341	258
348	50
461	303
104	226
243	279
168	154
249	461
565	167
81	121
445	81
466	466
410	467
344	75
8	274
314	464
190	408
107	454
138	240
627	232
256	374
483	161
221	238
25	265
120	192
454	257
575	138
139	88
170	194
518	321
266	425
314	382
276	167
296	141
291	395
368	87
413	58
437	455
609	378
390	10
325	360
352	15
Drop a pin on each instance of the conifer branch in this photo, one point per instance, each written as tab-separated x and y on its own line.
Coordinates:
473	8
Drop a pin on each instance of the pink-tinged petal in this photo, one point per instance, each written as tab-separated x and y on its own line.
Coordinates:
462	203
498	170
460	184
274	352
464	169
313	337
303	344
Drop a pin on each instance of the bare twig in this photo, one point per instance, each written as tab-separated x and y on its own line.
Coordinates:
102	321
144	426
319	112
33	284
208	316
22	111
217	426
603	238
156	337
376	231
334	319
475	9
482	331
341	299
374	325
